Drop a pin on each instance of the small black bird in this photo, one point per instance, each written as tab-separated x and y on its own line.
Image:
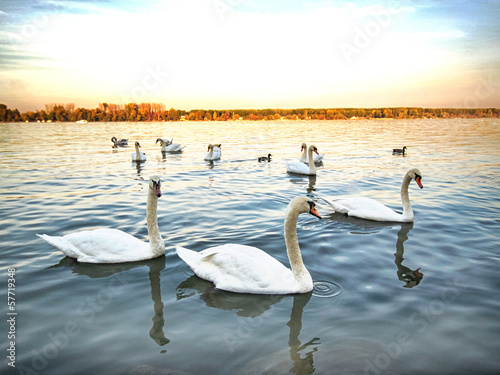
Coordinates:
399	150
264	158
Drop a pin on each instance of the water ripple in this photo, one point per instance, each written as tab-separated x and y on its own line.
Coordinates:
326	289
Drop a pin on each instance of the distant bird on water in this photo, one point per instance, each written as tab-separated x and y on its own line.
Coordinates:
138	155
119	142
264	158
399	151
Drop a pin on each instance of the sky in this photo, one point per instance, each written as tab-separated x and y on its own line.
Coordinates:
232	54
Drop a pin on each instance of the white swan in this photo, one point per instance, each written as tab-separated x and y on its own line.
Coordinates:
298	167
317	158
370	209
169	146
214	152
106	245
138	155
247	269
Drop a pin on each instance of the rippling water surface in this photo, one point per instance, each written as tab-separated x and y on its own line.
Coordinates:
370	312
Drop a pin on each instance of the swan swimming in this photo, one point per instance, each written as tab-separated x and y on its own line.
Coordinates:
119	142
214	152
298	167
370	209
138	155
247	269
169	146
305	159
106	245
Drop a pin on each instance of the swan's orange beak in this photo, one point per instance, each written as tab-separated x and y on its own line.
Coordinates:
418	180
313	211
316	151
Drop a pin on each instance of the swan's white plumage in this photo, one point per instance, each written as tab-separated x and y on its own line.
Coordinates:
364	208
138	155
247	269
239	268
107	245
104	245
169	146
370	209
298	167
214	152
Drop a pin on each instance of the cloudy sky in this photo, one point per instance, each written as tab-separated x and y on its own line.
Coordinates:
250	53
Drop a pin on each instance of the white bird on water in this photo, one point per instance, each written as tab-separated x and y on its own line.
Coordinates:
370	209
106	245
247	269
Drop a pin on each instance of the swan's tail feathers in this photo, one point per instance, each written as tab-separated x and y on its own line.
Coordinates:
188	256
329	202
61	244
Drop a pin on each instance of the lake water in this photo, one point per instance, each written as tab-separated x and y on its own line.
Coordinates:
370	313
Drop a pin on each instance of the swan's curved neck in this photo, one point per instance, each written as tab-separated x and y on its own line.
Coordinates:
300	272
312	167
211	152
156	242
304	155
405	198
137	152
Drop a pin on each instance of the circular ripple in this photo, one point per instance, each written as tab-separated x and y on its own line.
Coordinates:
326	289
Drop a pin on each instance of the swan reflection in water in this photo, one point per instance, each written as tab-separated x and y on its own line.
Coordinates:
301	179
356	225
410	277
113	270
254	305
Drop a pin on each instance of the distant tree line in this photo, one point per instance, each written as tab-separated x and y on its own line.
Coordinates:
157	112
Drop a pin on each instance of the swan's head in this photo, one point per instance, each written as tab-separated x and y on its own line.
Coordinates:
303	147
210	146
314	149
113	139
417	176
304	205
137	144
159	140
404	148
155	185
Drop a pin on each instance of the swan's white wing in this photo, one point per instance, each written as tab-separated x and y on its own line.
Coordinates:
102	245
141	157
317	158
297	167
217	153
241	269
365	208
176	147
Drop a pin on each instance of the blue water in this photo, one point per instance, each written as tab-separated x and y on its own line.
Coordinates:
370	313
